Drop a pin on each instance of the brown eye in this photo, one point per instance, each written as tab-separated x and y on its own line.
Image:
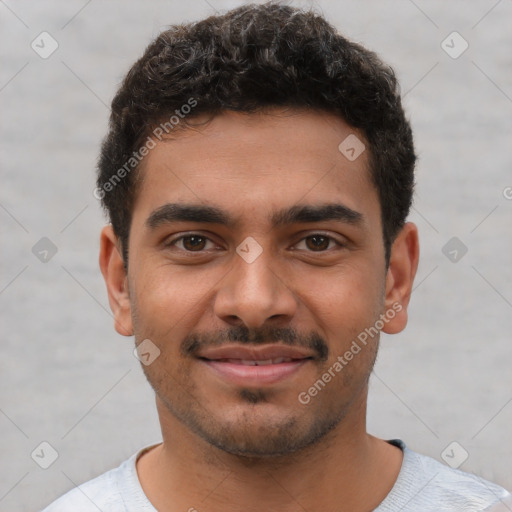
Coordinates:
191	243
318	242
194	242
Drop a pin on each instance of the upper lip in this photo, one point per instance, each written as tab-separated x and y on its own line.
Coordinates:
260	353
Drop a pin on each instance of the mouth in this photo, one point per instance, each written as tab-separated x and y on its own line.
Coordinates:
255	366
251	362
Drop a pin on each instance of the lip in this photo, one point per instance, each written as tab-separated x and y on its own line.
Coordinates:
259	353
231	363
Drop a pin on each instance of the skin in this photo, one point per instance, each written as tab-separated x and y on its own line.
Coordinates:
253	448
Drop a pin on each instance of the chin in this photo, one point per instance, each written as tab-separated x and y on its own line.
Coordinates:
254	434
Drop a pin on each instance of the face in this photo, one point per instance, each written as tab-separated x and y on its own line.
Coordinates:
255	260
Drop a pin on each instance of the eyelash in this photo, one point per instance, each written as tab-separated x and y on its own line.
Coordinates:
173	242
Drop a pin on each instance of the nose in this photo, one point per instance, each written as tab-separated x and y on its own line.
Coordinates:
252	294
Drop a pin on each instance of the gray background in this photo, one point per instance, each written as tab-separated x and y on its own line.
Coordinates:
69	379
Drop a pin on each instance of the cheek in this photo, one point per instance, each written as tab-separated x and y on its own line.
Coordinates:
343	301
167	300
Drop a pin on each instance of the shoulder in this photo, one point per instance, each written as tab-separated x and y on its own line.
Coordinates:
117	490
99	493
464	491
426	484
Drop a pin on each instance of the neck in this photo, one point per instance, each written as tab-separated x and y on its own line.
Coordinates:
347	470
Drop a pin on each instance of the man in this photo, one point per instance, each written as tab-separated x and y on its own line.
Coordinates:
258	173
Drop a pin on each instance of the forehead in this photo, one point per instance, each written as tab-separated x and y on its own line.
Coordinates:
254	164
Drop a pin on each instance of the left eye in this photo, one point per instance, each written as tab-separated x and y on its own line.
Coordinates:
318	242
192	243
198	243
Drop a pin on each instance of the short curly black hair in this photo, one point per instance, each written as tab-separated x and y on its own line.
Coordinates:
249	59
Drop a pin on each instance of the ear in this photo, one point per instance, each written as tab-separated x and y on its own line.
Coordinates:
403	264
112	268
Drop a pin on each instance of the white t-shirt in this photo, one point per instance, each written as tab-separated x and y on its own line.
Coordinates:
423	485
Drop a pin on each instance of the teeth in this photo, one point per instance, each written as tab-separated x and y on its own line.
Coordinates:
257	363
250	362
281	360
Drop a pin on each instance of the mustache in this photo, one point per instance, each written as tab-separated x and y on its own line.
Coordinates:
243	335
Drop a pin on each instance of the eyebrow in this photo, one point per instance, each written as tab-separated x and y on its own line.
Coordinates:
177	212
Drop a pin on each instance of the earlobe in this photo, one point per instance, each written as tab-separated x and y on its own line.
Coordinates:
114	273
400	277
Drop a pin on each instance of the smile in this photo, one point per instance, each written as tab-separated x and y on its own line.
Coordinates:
255	372
251	362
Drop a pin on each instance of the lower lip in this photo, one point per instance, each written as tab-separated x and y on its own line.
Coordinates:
255	375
